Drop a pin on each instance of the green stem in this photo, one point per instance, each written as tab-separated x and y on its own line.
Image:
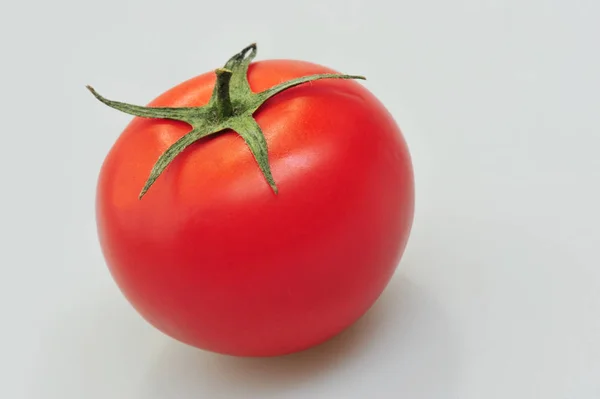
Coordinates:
265	95
231	106
221	99
255	139
178	114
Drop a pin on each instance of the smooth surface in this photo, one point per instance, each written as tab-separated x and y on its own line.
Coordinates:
498	295
213	258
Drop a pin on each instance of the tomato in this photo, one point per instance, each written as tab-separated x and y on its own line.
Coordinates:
214	257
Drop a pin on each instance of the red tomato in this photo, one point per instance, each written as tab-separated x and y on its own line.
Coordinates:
212	257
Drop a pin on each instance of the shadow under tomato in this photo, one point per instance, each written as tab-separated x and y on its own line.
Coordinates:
403	339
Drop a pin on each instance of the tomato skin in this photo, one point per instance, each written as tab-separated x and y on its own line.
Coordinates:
213	258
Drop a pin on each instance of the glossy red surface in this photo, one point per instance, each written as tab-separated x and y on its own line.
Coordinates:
213	258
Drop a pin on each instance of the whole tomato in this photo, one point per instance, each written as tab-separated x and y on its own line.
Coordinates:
257	210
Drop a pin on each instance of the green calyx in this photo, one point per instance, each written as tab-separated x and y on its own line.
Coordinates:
231	106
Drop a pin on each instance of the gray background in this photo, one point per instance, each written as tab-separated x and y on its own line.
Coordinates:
498	295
